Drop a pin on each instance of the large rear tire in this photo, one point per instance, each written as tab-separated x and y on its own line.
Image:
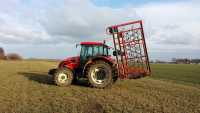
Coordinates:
63	77
100	74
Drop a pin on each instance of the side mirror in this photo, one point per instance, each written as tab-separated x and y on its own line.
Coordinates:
114	53
111	30
77	45
118	52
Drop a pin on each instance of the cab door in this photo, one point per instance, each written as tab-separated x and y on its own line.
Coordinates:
86	54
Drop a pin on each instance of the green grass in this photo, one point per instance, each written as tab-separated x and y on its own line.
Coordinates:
181	73
25	88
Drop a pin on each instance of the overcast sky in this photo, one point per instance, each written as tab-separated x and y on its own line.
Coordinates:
51	28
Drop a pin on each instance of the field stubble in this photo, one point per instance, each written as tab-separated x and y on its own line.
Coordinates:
25	88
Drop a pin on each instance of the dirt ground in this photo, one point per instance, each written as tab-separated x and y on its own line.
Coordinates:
26	88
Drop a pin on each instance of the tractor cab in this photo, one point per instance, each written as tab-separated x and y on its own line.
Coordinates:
90	50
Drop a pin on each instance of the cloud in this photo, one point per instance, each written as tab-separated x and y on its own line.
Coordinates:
173	26
85	22
8	5
65	22
172	23
181	38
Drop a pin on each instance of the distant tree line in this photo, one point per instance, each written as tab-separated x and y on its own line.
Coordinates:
177	61
185	61
10	56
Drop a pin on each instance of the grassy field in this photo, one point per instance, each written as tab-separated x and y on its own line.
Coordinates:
25	88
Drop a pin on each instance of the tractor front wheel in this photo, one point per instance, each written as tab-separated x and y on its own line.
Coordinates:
63	77
100	74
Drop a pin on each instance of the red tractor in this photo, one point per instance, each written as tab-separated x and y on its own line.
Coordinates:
99	67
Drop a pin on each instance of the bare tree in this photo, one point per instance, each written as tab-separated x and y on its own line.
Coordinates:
14	56
2	54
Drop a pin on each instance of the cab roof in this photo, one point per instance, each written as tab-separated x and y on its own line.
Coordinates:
91	43
94	43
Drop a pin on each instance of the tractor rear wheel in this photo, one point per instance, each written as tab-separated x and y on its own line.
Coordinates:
100	74
63	77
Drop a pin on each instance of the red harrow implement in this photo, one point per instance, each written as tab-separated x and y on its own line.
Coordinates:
131	51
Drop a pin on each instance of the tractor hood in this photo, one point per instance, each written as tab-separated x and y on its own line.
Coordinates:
70	62
72	59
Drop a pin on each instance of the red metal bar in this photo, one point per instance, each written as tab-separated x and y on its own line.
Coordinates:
122	61
145	48
130	30
117	60
127	23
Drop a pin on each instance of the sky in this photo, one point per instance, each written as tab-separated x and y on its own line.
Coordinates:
52	28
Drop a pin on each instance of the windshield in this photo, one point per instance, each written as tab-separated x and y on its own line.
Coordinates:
94	50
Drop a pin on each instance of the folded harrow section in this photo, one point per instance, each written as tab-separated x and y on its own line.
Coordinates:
130	49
